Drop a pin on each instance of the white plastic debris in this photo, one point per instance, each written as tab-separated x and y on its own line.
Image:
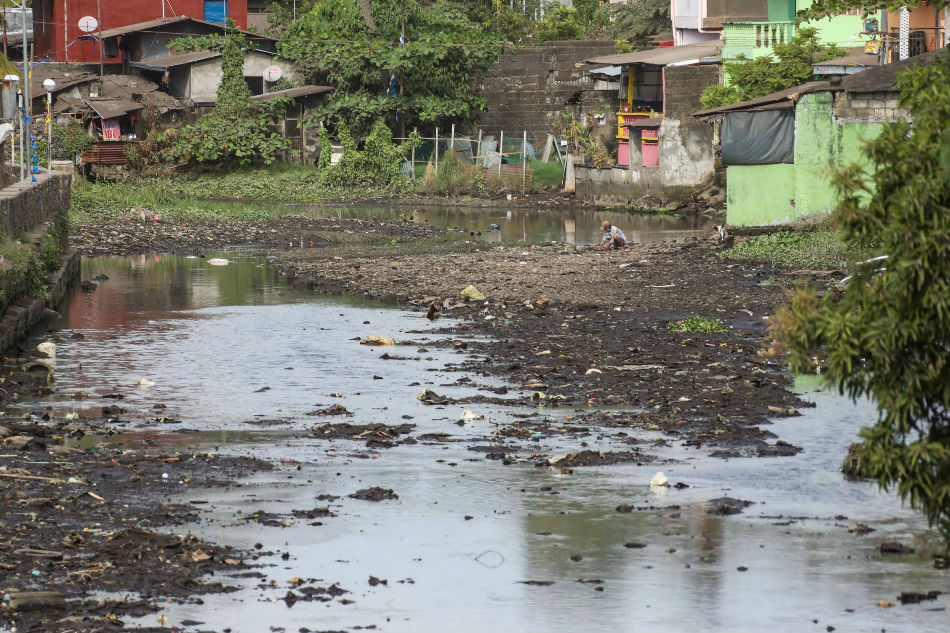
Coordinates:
47	348
468	416
659	479
218	261
145	382
592	370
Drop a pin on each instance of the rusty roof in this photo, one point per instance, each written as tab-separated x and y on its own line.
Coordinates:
295	93
768	102
884	78
160	22
663	55
164	63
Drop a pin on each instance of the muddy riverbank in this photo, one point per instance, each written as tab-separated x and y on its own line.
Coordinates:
581	326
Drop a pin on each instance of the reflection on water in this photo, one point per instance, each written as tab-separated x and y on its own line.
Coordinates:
212	338
573	226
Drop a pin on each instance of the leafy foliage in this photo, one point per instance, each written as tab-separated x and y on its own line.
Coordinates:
378	164
635	21
697	323
560	23
444	52
237	130
789	65
826	8
887	335
581	137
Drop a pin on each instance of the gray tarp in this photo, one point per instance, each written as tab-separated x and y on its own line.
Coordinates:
762	137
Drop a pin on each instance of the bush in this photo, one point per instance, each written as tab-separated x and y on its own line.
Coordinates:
379	164
454	178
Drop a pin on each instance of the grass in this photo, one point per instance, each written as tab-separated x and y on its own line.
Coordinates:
818	250
697	323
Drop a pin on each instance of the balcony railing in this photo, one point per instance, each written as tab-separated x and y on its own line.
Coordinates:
748	35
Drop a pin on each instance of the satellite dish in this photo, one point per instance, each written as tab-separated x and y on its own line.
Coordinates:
88	24
272	74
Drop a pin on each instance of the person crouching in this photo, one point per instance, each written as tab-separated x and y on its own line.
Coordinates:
613	237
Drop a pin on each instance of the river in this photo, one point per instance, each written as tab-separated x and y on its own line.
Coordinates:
240	358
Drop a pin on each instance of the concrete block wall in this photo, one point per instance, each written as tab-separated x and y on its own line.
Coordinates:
24	205
530	87
869	107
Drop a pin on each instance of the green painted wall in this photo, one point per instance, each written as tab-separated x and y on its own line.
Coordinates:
814	143
841	30
759	194
773	194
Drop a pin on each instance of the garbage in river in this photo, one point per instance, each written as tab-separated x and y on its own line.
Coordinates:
377	340
471	292
48	348
218	261
659	479
145	382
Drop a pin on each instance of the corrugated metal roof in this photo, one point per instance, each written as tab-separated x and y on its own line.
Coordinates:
662	56
160	22
295	93
164	63
856	58
109	108
883	78
767	102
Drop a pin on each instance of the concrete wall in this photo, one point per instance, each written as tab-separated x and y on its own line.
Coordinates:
206	76
529	88
25	205
776	194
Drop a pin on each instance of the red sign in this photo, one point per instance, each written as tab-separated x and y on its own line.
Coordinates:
110	130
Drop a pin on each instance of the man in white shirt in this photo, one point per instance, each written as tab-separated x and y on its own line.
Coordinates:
613	237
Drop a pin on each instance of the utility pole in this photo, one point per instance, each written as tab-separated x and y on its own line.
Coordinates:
99	17
25	122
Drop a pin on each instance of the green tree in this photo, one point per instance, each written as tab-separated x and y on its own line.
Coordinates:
826	8
559	23
634	21
444	53
887	335
789	65
238	130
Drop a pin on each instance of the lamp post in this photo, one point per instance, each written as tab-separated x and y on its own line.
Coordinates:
49	85
14	80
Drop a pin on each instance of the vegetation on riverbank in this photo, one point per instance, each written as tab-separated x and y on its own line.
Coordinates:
210	196
25	269
812	250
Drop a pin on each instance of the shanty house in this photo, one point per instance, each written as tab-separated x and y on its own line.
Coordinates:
779	149
304	141
661	149
196	76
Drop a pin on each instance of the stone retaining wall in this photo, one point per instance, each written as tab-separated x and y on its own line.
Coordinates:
24	205
530	87
28	212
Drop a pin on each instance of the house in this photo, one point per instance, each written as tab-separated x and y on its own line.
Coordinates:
851	30
196	76
697	21
778	149
661	149
58	35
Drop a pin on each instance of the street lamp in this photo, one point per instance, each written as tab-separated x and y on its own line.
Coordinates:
49	85
15	79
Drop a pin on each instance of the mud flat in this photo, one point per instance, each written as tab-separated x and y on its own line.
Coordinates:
579	326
